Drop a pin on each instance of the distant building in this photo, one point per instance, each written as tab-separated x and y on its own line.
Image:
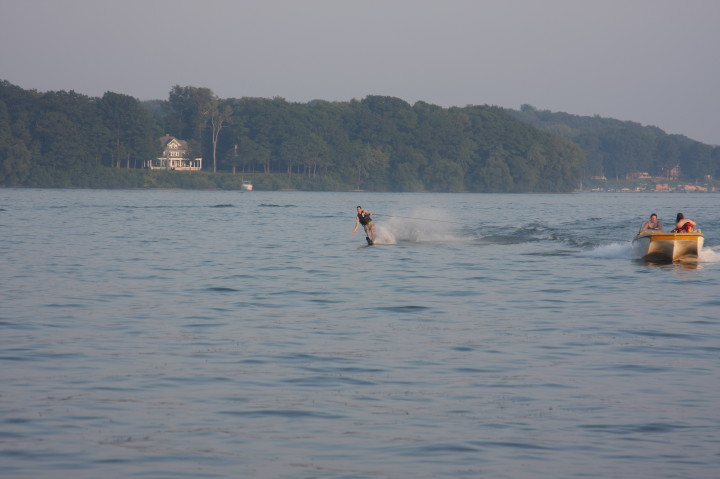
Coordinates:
672	173
637	175
175	156
693	188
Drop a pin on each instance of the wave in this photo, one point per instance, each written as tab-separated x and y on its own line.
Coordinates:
611	251
532	233
710	254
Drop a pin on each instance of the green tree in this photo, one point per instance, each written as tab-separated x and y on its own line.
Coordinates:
132	130
248	154
190	110
444	176
492	175
15	162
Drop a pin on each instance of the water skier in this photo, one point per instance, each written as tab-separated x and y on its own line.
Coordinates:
363	218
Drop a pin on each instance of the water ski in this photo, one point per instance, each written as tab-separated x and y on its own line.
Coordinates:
369	241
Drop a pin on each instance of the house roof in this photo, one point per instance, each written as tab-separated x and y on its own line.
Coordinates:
164	140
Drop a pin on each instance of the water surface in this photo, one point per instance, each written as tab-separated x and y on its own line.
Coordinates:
161	334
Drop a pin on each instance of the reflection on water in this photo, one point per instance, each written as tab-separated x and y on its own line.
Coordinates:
673	266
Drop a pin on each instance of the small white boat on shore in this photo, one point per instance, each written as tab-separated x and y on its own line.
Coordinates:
246	186
660	246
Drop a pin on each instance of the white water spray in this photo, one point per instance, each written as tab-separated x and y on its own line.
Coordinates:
430	225
710	254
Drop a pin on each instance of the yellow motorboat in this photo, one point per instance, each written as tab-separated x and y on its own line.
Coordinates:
660	246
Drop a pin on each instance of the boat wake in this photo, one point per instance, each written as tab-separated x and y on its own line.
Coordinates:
437	226
710	254
611	251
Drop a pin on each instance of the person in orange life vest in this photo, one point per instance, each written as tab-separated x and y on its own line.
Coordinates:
683	225
363	218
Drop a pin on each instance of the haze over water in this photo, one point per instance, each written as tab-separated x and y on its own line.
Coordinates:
161	334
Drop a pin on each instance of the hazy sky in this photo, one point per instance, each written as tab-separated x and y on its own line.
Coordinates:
655	62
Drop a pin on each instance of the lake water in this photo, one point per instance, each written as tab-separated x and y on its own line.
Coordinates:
204	334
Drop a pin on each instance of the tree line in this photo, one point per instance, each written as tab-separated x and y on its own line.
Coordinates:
617	148
380	143
65	139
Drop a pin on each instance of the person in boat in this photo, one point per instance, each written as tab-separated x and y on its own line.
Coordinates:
363	218
683	225
652	224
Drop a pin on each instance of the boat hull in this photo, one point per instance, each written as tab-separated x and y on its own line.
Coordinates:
659	246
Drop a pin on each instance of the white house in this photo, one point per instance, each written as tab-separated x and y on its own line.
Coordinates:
174	156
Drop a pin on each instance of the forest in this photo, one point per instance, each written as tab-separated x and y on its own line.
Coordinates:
615	148
65	139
